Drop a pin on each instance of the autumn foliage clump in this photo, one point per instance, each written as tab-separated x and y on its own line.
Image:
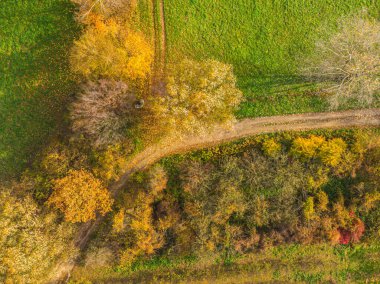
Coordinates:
330	152
112	50
198	96
354	233
307	148
79	195
31	240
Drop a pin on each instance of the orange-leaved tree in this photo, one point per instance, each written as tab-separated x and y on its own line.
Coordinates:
79	195
112	50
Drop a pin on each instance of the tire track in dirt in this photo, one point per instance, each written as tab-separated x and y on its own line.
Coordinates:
250	127
160	38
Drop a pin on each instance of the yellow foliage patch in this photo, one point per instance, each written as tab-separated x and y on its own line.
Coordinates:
79	195
271	147
332	151
112	50
307	147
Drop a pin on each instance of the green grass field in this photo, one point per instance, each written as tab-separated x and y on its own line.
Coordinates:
35	82
142	19
282	264
265	41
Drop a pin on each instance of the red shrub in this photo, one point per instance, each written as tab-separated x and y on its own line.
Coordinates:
353	234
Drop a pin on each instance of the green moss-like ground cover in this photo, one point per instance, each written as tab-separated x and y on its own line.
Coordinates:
287	264
265	41
35	81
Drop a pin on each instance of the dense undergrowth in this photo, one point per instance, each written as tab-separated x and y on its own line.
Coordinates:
267	203
292	263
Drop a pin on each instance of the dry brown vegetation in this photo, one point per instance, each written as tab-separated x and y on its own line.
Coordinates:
106	8
350	62
103	111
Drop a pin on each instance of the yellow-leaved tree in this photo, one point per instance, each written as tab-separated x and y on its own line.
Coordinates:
79	195
32	241
198	96
331	152
271	147
112	50
307	148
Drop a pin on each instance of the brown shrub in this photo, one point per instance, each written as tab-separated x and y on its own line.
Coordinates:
103	111
349	61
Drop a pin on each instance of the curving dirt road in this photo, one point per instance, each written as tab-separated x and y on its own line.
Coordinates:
250	127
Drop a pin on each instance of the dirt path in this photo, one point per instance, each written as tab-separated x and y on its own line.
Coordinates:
249	127
160	38
163	34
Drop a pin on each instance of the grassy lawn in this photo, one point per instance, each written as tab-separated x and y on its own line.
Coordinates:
287	264
35	82
143	19
264	40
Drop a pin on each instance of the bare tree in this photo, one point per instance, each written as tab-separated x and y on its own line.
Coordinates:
103	110
349	62
105	8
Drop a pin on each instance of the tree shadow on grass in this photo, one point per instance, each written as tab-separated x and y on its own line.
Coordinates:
36	82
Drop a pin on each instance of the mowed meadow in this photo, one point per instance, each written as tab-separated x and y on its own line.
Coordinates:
266	41
35	81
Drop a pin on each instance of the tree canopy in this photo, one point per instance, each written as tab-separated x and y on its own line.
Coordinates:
349	61
31	241
198	95
112	50
79	195
103	110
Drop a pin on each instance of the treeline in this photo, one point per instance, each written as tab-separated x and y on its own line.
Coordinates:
251	195
120	106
